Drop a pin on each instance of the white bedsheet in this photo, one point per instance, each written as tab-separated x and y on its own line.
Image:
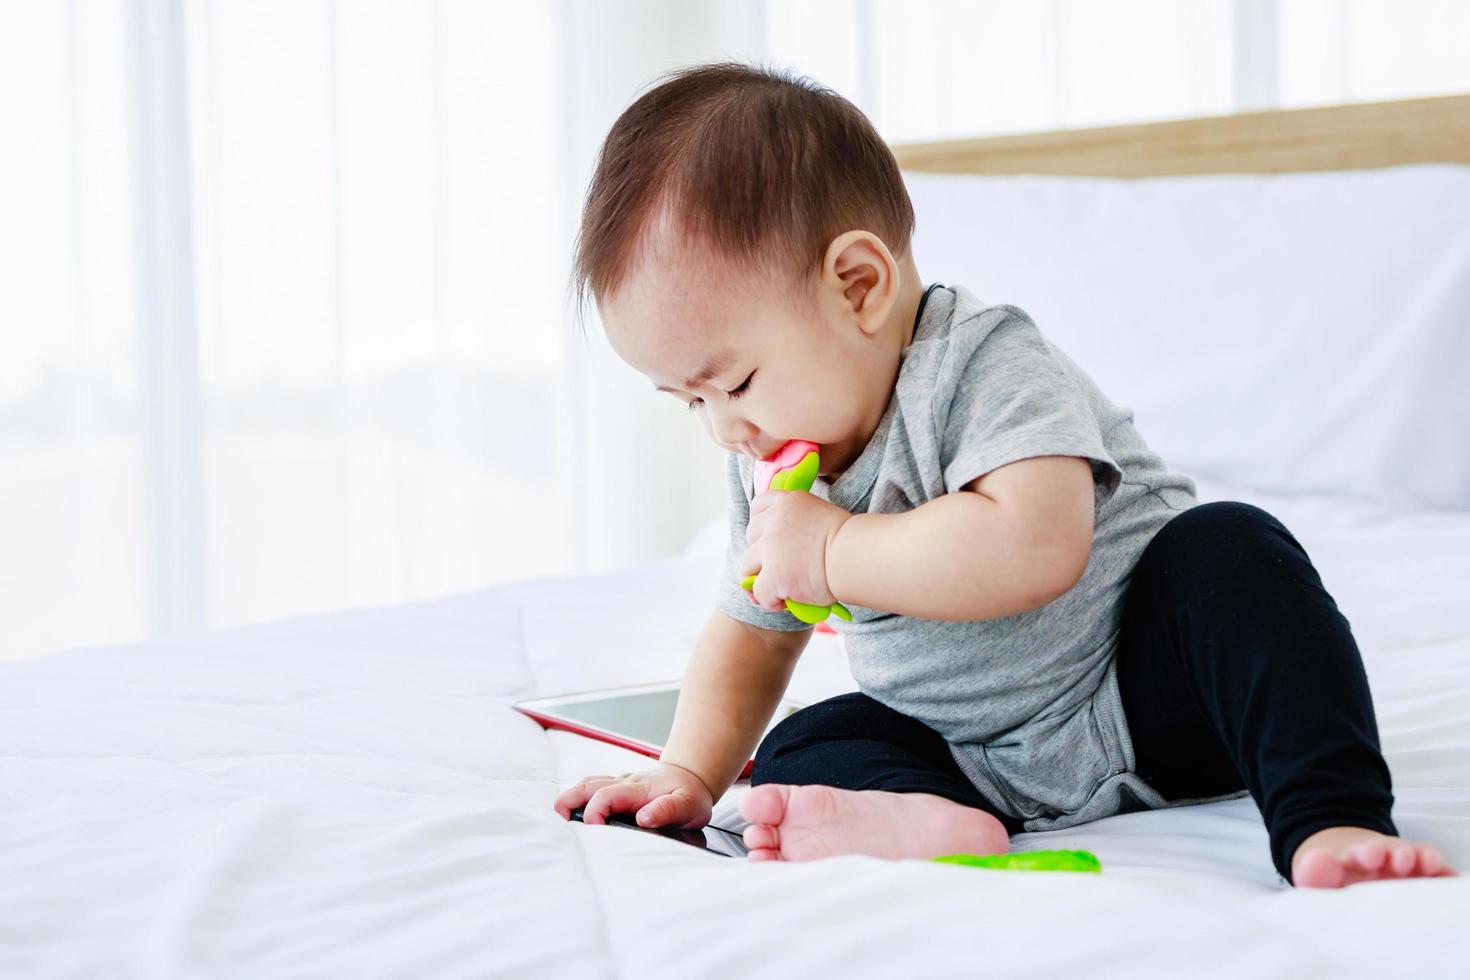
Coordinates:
350	795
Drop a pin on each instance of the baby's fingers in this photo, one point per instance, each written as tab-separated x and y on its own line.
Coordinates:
577	794
765	595
617	798
663	811
750	561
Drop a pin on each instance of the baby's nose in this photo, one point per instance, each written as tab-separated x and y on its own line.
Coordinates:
733	432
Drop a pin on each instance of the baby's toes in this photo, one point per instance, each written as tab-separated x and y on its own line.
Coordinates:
1402	859
759	835
1367	857
765	803
1431	863
1319	869
763	854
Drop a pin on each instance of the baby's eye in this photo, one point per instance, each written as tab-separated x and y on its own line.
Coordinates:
744	387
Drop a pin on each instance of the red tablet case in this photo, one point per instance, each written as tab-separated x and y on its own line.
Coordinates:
643	748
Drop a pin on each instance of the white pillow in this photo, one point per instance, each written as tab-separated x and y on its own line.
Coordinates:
1304	332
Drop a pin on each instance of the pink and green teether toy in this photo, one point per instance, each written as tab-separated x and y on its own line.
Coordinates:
793	467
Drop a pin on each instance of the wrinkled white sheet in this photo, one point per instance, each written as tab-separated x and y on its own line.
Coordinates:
351	795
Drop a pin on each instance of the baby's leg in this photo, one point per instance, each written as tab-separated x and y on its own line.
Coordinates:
850	775
1237	669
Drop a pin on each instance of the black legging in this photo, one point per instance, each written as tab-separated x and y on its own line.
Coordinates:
1236	669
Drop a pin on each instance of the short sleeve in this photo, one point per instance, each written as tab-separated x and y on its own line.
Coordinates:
731	598
1013	397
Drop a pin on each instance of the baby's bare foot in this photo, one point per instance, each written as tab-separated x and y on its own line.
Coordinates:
800	823
1341	856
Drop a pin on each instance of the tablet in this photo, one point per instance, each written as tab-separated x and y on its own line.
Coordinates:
638	717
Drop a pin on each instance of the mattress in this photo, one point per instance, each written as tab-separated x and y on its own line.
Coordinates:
352	795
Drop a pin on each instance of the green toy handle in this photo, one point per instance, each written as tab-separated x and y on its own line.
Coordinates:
1029	861
801	477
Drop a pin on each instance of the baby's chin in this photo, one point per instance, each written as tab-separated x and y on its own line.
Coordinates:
832	460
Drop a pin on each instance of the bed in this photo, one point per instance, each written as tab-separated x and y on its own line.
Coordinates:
352	795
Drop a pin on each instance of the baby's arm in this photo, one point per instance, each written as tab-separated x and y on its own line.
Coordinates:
732	686
1009	541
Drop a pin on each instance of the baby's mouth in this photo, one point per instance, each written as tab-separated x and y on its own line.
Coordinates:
791	454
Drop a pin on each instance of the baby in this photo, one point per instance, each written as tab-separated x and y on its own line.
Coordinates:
1047	626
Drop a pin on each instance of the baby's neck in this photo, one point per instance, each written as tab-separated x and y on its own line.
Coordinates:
899	333
906	311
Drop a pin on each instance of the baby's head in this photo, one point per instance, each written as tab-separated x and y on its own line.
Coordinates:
737	211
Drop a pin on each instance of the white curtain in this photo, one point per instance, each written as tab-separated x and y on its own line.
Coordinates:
285	313
284	323
938	69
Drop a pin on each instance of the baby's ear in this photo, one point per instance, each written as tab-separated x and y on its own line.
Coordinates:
859	266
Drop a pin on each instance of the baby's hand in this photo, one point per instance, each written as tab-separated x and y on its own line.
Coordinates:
789	532
663	796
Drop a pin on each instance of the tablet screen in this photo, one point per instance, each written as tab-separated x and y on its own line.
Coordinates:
643	714
647	716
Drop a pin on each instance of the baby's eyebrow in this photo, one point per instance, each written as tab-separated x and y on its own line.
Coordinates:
712	367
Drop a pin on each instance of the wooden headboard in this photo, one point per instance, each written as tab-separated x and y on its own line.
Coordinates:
1341	137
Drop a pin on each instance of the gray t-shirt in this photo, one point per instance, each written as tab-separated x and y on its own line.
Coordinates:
1028	703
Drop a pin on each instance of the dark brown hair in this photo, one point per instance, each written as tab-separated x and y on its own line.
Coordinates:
761	166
